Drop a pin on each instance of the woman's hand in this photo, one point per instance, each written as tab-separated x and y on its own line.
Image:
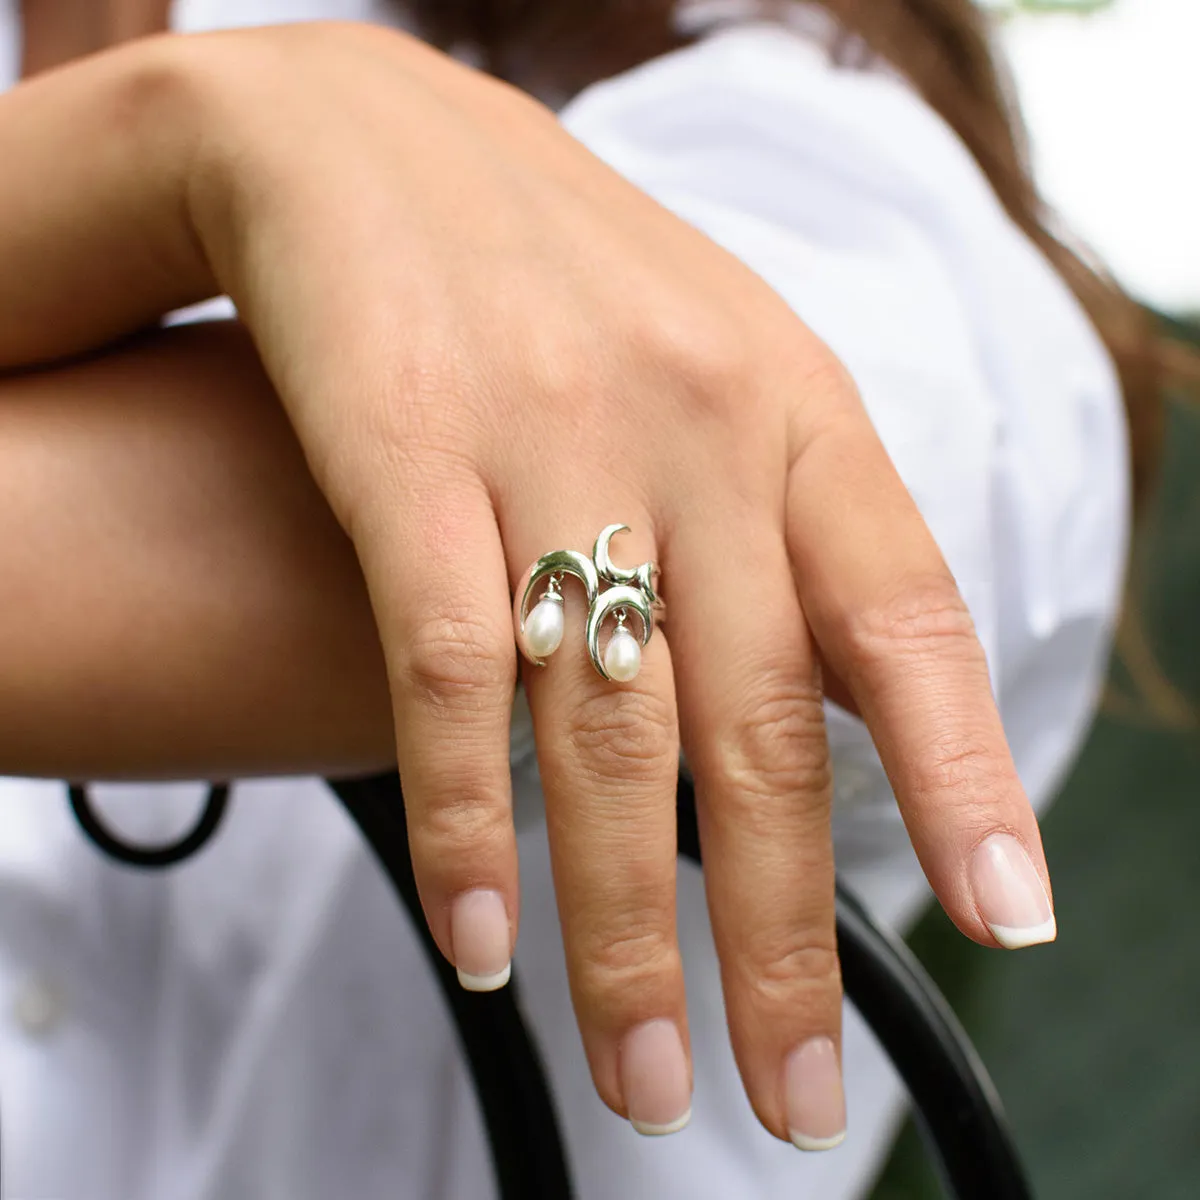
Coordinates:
490	346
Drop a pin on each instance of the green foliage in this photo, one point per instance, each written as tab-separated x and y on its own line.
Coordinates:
1013	7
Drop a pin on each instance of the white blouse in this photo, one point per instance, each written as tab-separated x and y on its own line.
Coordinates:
261	1023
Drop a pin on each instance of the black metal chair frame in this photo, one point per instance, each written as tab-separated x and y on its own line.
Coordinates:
955	1102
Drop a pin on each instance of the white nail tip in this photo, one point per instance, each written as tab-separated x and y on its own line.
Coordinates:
803	1142
485	983
1012	938
648	1130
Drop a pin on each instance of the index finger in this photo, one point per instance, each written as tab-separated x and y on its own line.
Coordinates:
892	624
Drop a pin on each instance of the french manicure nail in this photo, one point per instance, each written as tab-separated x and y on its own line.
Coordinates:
480	940
1009	893
654	1078
814	1097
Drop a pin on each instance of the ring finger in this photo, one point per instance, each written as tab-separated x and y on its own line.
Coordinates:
608	753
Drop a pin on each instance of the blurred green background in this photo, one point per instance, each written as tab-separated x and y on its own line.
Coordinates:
1094	1043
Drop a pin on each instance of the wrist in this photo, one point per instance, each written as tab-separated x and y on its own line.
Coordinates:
93	237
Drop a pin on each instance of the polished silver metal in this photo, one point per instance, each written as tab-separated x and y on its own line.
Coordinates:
643	575
618	597
630	589
556	563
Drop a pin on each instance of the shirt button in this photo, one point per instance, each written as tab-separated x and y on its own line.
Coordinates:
40	1006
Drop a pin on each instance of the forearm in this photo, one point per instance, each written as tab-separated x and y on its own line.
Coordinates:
175	597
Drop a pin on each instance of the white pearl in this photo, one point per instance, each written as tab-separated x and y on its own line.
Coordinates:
622	655
544	628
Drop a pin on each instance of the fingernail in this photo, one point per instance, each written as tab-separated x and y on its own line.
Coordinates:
1009	893
654	1079
480	939
814	1098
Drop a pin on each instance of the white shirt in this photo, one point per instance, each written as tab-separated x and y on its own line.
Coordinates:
261	1023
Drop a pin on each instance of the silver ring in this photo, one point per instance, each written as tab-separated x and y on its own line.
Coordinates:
612	591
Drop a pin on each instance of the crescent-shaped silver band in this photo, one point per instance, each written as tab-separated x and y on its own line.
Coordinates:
642	575
608	570
557	562
630	589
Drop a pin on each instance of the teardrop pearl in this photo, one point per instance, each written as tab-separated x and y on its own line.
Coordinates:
622	656
544	628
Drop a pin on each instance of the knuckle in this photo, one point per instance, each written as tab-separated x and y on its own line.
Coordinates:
459	828
775	745
806	965
614	969
823	379
826	376
703	350
558	356
458	663
962	770
404	420
627	734
831	408
926	617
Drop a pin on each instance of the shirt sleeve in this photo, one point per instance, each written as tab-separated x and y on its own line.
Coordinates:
990	389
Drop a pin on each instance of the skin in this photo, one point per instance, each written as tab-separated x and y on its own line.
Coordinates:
56	31
157	493
484	345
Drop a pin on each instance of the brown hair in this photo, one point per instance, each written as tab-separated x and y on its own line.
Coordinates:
942	46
